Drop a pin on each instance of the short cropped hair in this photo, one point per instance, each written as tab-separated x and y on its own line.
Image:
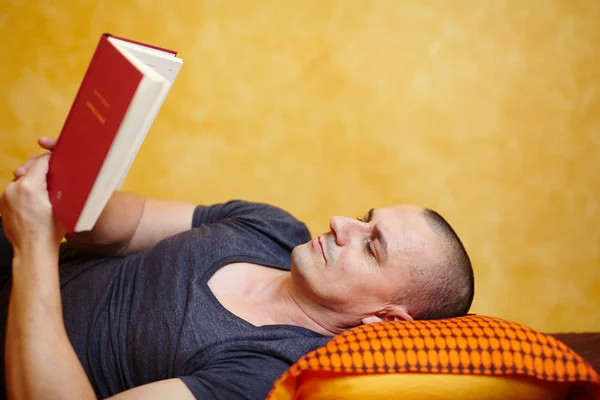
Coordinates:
445	288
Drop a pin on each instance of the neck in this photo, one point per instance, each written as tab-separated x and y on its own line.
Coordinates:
276	295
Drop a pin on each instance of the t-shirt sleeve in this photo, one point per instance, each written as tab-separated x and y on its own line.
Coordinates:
265	219
247	377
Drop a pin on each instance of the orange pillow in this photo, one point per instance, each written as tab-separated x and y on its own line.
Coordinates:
472	352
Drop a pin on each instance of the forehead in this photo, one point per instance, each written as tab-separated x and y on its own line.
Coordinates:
401	214
404	226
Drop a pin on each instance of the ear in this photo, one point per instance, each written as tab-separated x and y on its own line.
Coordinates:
393	313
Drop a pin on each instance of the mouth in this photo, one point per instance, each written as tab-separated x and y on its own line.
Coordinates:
319	246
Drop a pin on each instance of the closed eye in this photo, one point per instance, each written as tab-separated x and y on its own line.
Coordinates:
370	248
367	219
382	249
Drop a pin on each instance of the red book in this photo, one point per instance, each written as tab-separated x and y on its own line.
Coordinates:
123	89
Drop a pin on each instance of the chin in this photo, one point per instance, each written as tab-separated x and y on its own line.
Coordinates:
301	253
302	262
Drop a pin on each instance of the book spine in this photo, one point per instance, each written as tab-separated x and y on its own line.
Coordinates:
174	52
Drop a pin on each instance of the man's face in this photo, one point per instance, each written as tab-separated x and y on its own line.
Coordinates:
359	265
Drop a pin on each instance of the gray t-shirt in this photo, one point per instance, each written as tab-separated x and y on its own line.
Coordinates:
151	316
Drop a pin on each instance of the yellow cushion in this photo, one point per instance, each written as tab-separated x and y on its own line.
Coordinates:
472	357
425	387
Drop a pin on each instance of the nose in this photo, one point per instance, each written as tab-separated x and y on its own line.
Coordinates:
346	229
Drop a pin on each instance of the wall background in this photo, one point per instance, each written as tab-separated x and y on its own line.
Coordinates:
488	111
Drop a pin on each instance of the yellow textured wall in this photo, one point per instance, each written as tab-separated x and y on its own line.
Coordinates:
488	111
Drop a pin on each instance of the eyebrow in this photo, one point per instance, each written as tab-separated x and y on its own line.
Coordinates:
379	234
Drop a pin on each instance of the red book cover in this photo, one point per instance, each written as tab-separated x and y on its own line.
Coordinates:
106	91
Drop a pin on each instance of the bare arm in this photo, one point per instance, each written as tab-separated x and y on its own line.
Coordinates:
131	223
40	361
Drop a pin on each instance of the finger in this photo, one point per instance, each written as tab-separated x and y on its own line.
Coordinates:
22	170
39	169
19	172
47	143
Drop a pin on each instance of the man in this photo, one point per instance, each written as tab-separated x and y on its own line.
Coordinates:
172	300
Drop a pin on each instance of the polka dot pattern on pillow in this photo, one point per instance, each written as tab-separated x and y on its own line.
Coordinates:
473	345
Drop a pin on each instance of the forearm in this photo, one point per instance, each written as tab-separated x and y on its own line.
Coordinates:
131	223
40	361
115	228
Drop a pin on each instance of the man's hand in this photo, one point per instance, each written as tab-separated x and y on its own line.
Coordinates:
25	207
46	144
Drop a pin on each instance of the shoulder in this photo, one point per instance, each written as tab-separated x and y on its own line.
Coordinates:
263	218
240	209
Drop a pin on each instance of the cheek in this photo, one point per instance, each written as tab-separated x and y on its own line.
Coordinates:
364	277
348	278
354	264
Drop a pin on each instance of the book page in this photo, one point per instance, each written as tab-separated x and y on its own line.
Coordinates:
166	64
